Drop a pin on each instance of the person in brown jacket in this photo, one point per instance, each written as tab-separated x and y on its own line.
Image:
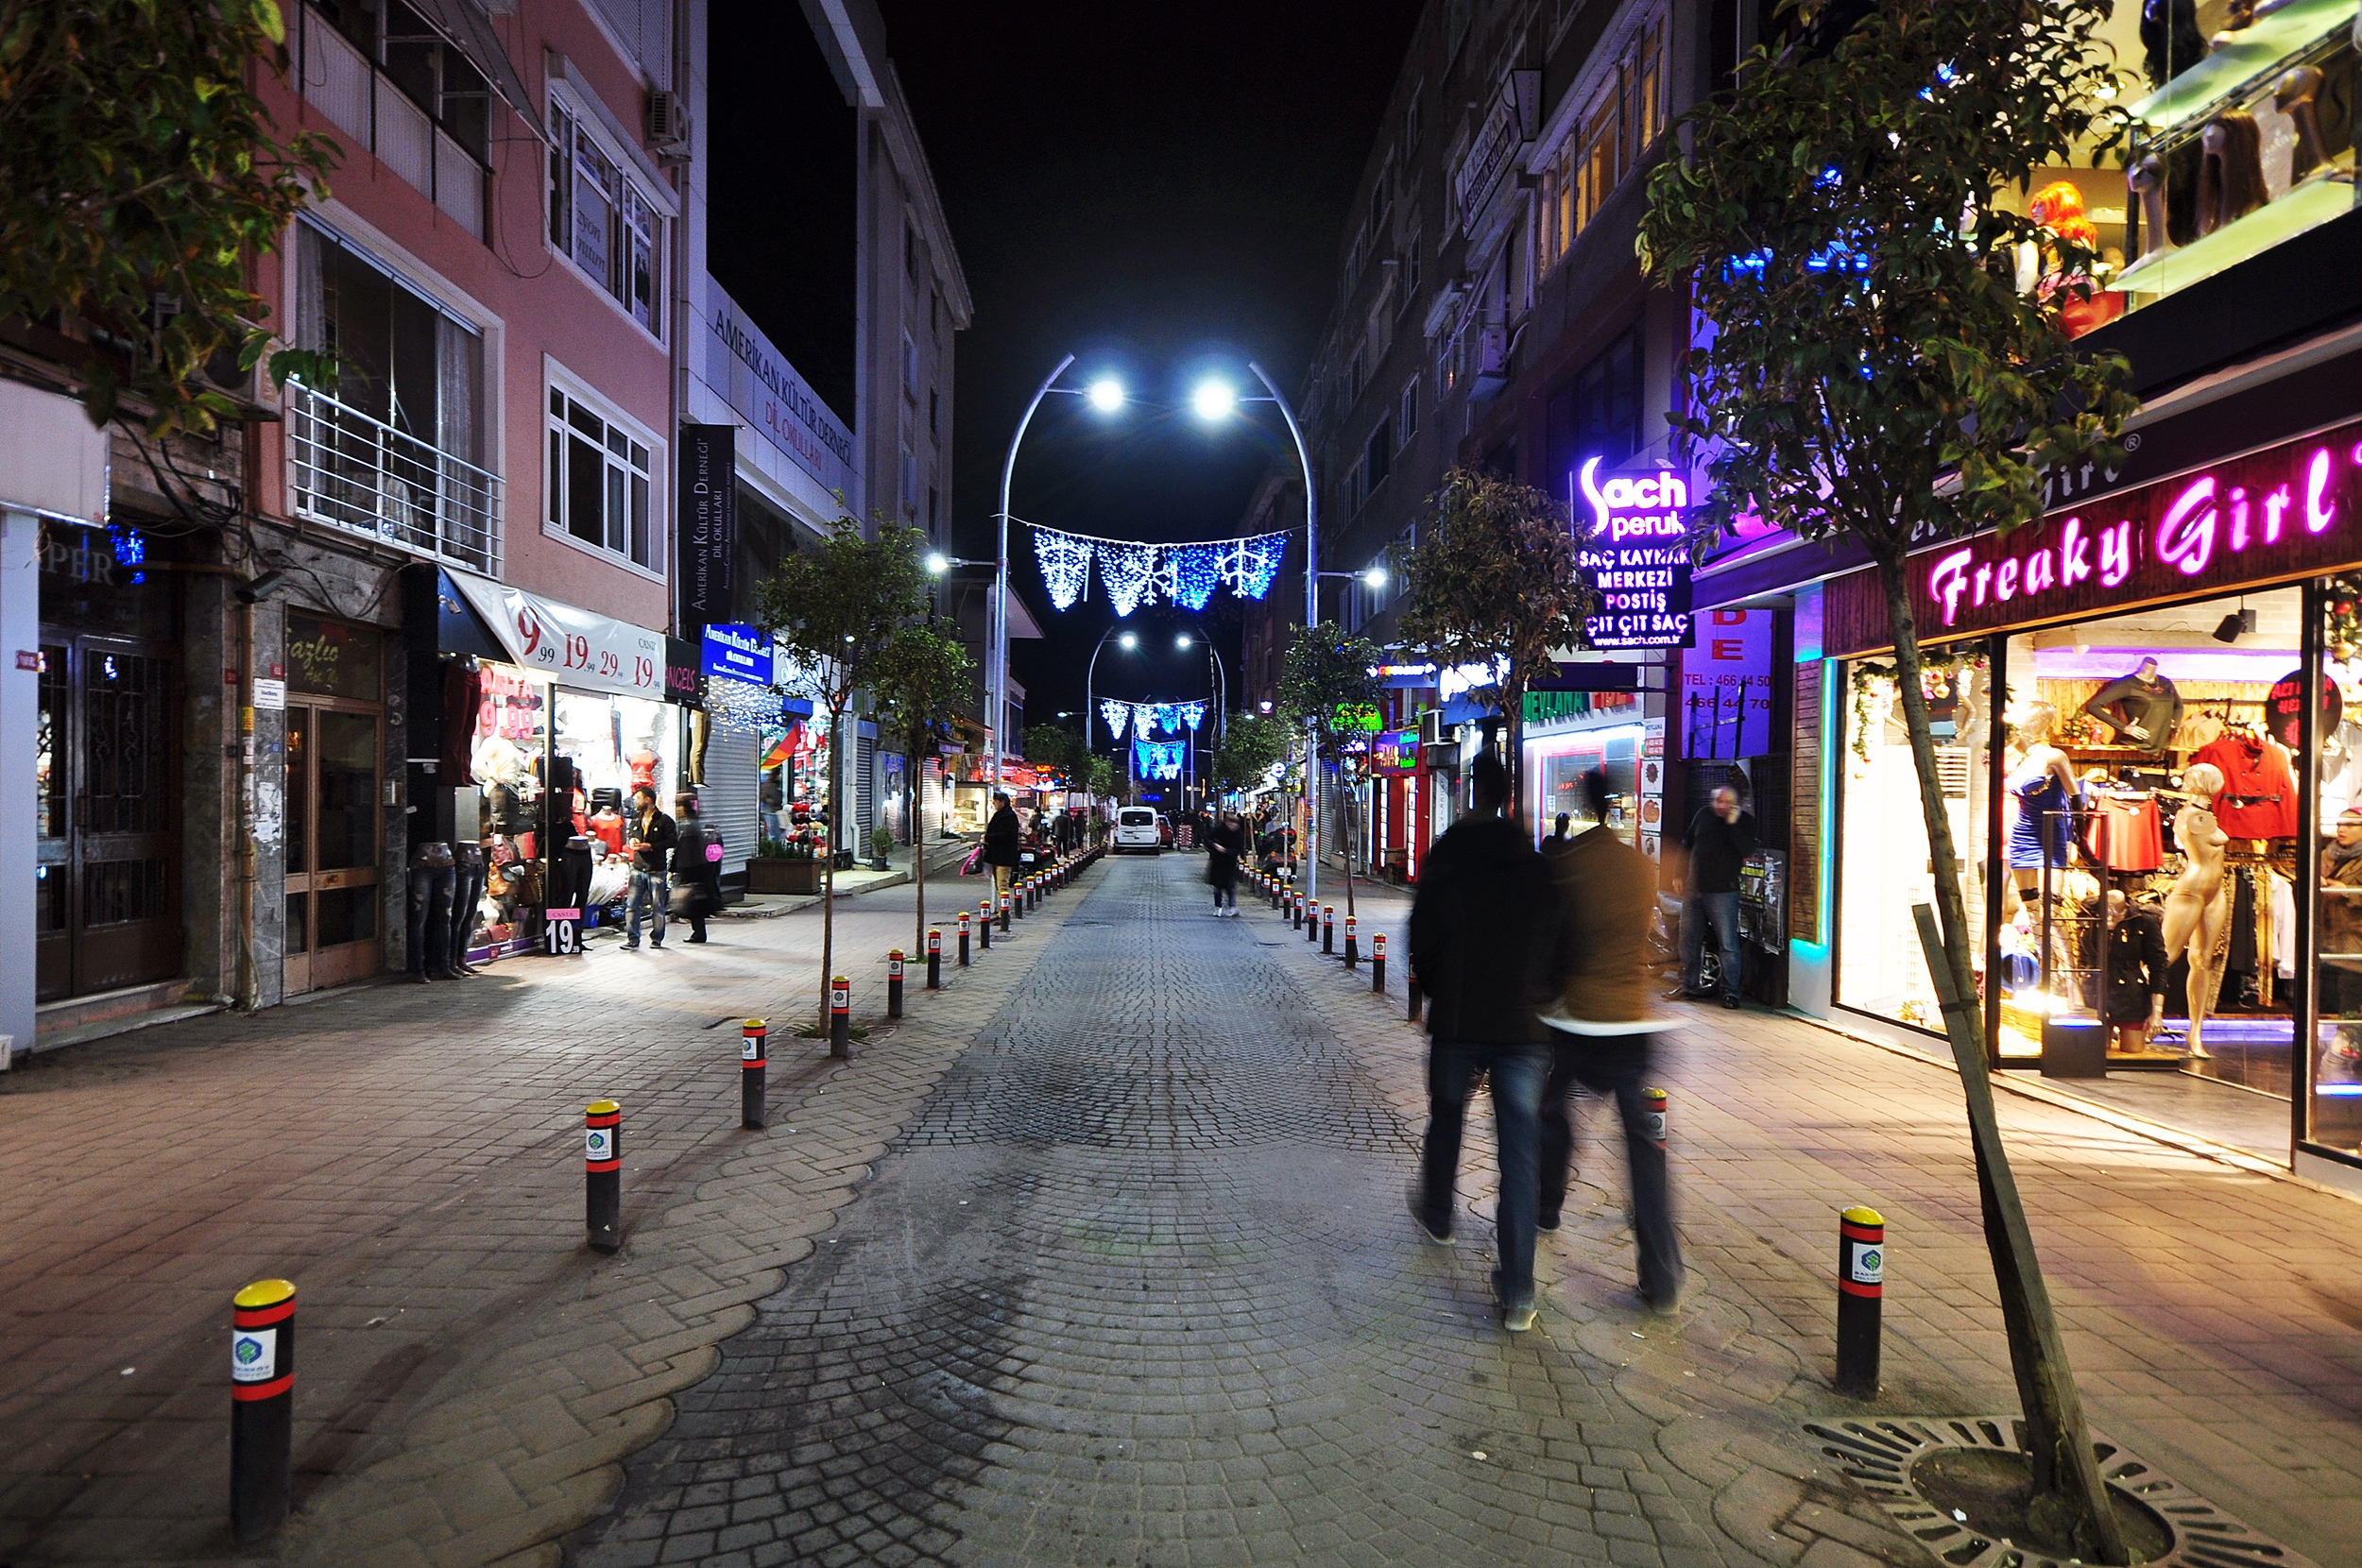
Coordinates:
1606	1034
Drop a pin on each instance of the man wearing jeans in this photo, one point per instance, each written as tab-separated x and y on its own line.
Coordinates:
653	837
1719	840
1483	932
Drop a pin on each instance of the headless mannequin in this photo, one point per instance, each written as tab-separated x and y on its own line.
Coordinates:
2036	757
2200	902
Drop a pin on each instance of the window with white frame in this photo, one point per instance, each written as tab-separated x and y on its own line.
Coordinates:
603	221
1407	417
1610	135
601	481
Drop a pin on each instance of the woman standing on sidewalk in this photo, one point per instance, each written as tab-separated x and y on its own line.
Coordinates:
696	865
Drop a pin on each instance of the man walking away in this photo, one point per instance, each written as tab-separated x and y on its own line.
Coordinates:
1719	840
1483	930
1004	838
1558	841
696	865
1606	1037
651	844
1225	842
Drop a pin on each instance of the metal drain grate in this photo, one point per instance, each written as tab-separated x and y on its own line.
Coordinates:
1878	1456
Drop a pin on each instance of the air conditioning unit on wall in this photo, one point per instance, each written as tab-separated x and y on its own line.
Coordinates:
668	127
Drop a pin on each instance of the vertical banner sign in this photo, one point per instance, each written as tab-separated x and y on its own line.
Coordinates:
1724	699
1634	553
709	521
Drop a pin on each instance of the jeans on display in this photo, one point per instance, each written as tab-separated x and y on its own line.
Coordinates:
467	892
649	889
430	920
1615	1066
1723	909
1516	1074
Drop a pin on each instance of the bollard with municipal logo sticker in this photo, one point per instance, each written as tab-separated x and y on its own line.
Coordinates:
983	924
603	1174
1862	1273
934	958
894	984
1329	927
963	939
1377	961
262	1407
841	1017
1353	943
1655	1112
1296	913
754	1056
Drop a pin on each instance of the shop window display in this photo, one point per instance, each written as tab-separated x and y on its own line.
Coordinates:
794	787
511	740
2334	1114
609	746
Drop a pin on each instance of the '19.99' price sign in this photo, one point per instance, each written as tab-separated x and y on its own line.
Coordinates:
1634	553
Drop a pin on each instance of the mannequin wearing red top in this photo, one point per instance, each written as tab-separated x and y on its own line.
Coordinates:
2200	902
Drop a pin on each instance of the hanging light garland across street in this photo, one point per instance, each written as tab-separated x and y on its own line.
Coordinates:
1142	718
1136	573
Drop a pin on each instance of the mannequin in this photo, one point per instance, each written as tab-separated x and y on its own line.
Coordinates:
2230	181
2199	903
2296	94
2170	42
2146	179
2143	707
2133	989
2042	784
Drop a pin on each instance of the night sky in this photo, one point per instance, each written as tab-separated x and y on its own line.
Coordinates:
1157	190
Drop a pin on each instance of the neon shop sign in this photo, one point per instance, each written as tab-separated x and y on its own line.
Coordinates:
2283	512
1635	555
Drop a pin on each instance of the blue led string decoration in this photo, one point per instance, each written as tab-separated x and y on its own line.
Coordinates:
1128	571
1115	713
1197	573
1156	758
1066	565
1168	716
1192	714
1249	568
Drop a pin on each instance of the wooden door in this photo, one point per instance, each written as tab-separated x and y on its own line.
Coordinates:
335	772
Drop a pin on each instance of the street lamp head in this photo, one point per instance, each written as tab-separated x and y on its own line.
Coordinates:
937	562
1105	394
1375	577
1214	399
1127	643
1184	641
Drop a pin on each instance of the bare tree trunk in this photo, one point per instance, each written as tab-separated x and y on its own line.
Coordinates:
918	843
827	885
2068	1487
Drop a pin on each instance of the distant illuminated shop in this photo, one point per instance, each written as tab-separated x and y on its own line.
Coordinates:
2085	676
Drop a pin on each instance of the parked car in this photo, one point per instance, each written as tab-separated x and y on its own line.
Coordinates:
1137	828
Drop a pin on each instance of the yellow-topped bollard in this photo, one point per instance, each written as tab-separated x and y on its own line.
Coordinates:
1861	1271
262	1407
603	1174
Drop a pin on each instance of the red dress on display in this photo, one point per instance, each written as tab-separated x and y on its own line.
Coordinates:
2259	792
2123	833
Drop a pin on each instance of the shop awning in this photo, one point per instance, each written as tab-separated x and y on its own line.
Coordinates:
573	647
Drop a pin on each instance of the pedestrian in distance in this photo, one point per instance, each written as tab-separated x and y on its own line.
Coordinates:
1484	932
1606	1037
651	841
1225	842
1719	840
1558	841
696	864
1004	840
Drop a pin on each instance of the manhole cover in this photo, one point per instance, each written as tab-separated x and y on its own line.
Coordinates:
1884	1457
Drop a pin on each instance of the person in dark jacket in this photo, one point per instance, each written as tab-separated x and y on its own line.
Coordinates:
1719	840
650	841
1004	841
696	865
1483	931
1225	842
2136	970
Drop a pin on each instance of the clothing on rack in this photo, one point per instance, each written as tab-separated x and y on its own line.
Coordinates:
2283	906
2259	797
2136	964
2124	832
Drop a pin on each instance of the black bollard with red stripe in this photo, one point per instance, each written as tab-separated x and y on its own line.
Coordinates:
1377	961
754	1057
1861	1263
894	984
603	1174
261	1407
934	958
1353	945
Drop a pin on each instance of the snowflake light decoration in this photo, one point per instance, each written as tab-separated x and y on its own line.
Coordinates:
1251	566
1156	758
1066	565
1115	713
1195	572
1128	571
1168	717
1192	714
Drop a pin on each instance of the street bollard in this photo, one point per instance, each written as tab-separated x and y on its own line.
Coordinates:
754	1065
934	958
1023	898
1353	946
603	1174
894	984
1861	1257
1653	1102
984	922
1278	895
1329	927
262	1407
963	939
1296	913
1378	963
1005	901
840	1018
1411	988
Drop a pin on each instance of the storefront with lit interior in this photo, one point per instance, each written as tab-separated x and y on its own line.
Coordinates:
2159	837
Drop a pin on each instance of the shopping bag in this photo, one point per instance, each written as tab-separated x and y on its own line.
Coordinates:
974	862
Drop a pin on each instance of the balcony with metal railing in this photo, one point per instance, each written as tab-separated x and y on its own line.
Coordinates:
356	471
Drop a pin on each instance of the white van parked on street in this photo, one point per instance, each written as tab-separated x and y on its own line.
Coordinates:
1136	829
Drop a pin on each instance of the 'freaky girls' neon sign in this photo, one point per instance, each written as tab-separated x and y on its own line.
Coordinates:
2276	513
1635	554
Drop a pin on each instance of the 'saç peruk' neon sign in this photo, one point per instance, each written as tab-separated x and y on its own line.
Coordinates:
2286	512
1635	554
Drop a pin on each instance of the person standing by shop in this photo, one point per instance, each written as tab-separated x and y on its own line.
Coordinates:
1004	839
1483	931
1225	842
1605	1038
1719	840
696	865
652	839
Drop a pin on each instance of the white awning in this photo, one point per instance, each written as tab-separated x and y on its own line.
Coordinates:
570	646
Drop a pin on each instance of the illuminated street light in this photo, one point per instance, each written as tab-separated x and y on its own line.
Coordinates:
1181	641
1375	577
1105	394
938	563
1214	399
1127	641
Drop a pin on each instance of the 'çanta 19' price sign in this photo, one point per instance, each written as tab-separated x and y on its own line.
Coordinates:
1634	553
